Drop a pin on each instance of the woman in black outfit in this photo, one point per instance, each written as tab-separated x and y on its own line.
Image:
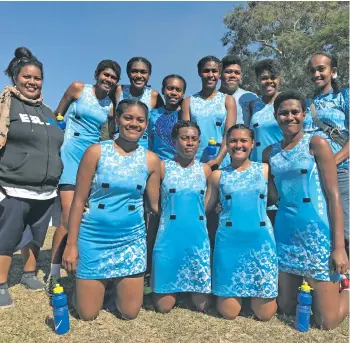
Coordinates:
30	166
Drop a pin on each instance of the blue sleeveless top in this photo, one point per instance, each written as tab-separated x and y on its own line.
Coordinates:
302	230
242	266
265	127
181	255
333	109
86	116
146	99
160	125
112	235
210	116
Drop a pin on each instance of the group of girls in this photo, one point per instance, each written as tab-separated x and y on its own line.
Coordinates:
271	151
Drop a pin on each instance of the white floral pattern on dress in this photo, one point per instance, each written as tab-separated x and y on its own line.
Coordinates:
92	114
130	261
257	276
310	246
193	274
208	107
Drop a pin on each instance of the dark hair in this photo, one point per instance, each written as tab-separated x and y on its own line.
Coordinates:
270	65
334	64
108	64
139	59
124	104
174	76
229	60
183	123
287	95
23	57
206	59
240	127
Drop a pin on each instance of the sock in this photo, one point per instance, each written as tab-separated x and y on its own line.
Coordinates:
28	274
55	269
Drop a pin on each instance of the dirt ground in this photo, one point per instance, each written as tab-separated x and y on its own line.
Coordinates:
31	321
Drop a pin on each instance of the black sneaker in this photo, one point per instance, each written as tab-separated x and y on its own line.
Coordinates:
5	297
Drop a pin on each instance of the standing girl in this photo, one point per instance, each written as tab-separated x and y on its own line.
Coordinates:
163	119
87	108
139	70
30	167
213	111
332	109
181	255
245	260
108	241
263	122
309	226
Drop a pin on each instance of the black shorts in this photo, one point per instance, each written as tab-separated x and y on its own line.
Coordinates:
23	221
66	187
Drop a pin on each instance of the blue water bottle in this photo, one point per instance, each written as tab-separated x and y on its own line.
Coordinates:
211	149
302	318
60	310
60	121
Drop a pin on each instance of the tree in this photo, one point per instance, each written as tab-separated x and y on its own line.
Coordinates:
290	31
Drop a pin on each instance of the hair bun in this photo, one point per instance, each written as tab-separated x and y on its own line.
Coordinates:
23	52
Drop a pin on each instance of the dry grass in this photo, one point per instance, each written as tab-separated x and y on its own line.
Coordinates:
31	321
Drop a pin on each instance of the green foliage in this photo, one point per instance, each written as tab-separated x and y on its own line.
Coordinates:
290	31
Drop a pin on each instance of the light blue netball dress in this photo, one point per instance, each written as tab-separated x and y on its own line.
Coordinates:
302	231
146	99
84	120
245	259
265	128
112	235
181	255
210	116
161	122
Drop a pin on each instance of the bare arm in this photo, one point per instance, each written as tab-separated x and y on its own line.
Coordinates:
324	157
156	100
231	118
162	170
207	170
212	194
185	109
272	194
86	172
71	94
153	182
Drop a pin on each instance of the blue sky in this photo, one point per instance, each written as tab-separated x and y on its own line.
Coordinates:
70	38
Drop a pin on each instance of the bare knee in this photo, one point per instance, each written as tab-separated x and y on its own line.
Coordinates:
264	316
327	322
164	308
264	310
226	312
164	303
87	315
129	314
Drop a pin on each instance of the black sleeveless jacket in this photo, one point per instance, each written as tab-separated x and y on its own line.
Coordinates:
31	157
